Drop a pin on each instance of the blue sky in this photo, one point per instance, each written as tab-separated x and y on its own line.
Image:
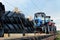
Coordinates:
29	7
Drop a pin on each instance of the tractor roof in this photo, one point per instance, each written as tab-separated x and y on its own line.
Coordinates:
48	16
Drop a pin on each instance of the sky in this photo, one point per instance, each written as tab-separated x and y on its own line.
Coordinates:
29	7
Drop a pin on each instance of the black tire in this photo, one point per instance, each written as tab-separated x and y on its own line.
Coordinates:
1	33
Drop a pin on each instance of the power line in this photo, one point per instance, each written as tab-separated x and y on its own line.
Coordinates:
30	0
35	5
9	3
22	8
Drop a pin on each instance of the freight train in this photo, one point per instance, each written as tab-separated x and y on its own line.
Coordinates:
13	22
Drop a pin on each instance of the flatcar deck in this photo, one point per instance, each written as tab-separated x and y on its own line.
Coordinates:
27	36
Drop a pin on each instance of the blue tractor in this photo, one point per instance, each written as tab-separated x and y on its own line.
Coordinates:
47	24
39	21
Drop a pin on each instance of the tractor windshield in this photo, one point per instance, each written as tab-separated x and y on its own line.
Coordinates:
47	19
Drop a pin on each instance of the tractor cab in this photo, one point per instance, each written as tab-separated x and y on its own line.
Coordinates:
39	18
47	19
